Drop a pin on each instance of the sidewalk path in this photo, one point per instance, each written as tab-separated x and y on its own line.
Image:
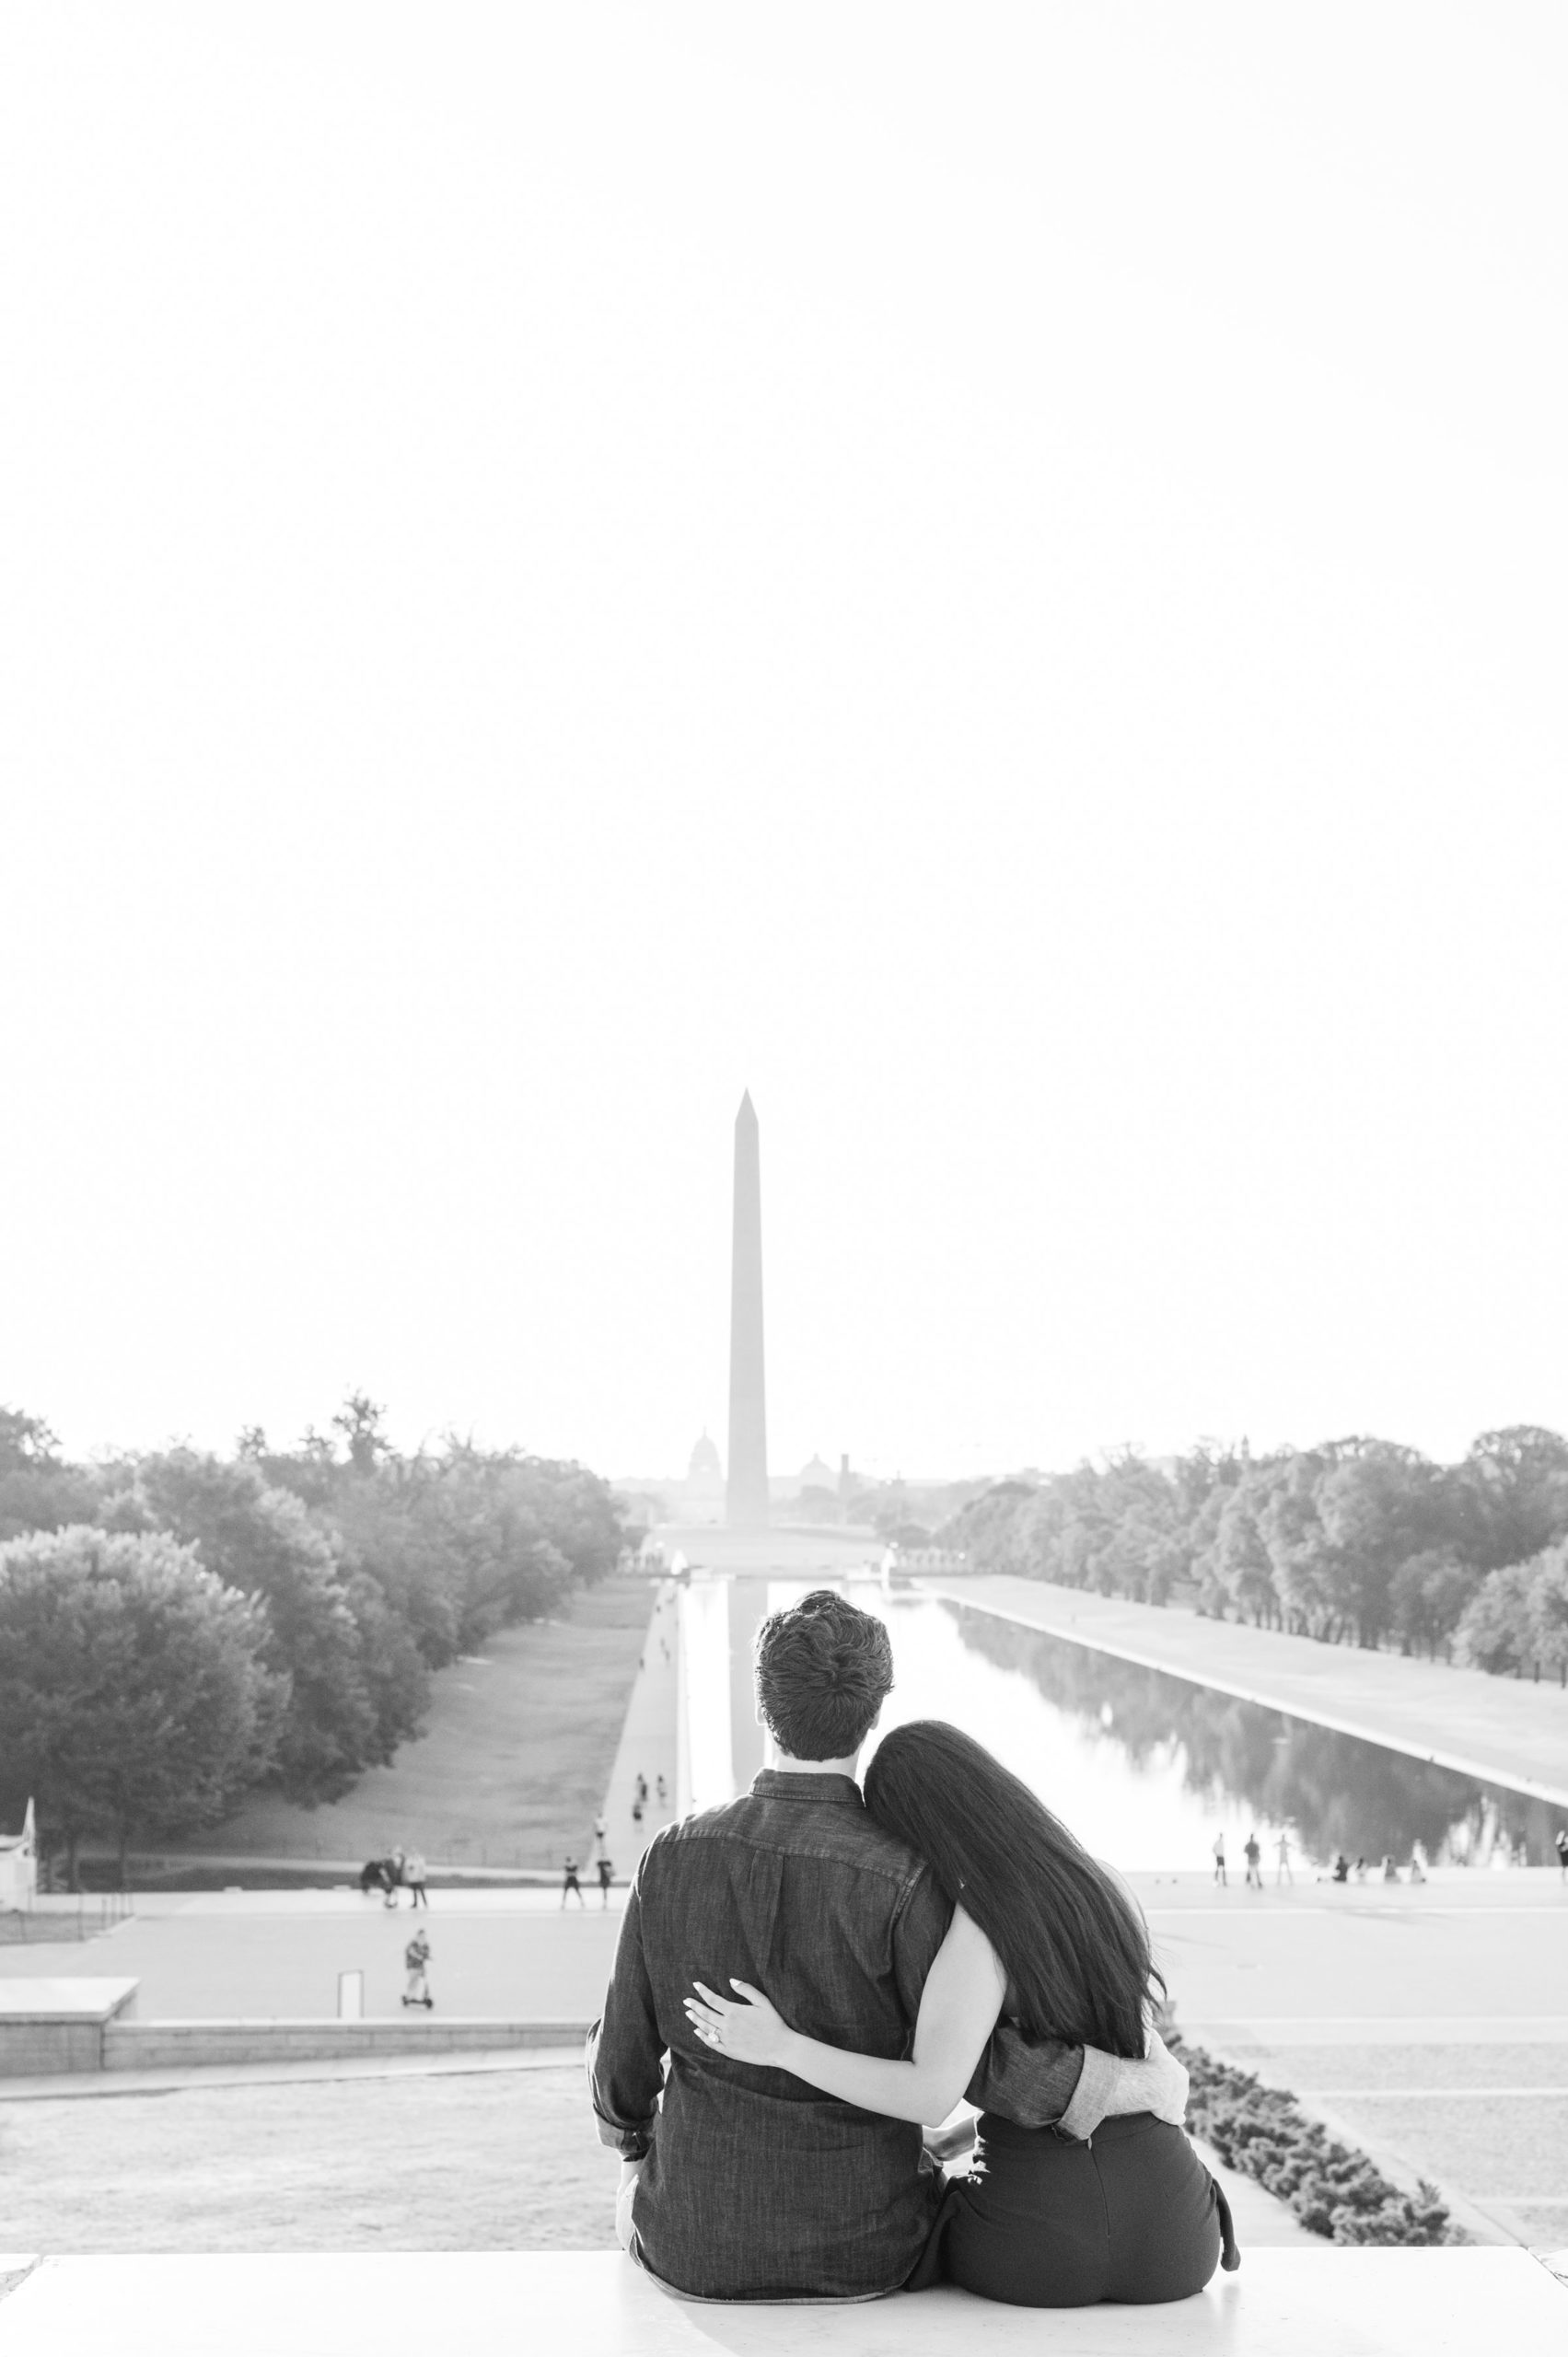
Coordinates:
510	1955
1503	1730
647	1743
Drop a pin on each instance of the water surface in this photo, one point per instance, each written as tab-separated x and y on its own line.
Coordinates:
1147	1768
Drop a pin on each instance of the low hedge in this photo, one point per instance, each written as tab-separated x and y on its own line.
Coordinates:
1331	2189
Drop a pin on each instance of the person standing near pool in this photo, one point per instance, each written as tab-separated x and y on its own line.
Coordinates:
1252	1853
417	1963
1219	1862
1282	1871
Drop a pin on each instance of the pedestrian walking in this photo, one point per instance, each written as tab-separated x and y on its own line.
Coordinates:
414	1874
416	1960
636	1812
1341	1869
1391	1871
605	1872
1560	1844
1361	1870
1219	1862
1282	1871
571	1883
393	1871
1252	1851
662	1789
600	1833
641	1788
1418	1872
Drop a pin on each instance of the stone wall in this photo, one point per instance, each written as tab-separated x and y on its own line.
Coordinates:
161	2046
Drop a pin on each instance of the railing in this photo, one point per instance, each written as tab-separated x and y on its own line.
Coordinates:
951	1559
80	1916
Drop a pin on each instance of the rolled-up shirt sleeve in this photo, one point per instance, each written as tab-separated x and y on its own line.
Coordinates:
1042	2082
625	2050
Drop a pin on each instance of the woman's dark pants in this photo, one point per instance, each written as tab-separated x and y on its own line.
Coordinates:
1049	2222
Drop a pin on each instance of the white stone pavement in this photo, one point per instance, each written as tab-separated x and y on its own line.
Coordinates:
1282	2304
647	1746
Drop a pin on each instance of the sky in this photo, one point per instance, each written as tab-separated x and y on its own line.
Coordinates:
990	574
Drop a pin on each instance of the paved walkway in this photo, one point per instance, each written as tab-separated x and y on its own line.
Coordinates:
647	1745
498	1956
1503	1730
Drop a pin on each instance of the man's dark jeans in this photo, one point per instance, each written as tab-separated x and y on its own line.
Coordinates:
754	2186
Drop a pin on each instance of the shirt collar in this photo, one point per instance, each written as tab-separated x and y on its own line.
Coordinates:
775	1784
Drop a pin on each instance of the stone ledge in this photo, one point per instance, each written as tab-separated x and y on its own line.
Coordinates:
176	2045
1283	2304
59	2024
65	1999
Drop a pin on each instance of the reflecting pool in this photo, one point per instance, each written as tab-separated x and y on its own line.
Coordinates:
1145	1767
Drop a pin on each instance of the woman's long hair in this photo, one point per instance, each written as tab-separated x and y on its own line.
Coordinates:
1075	1949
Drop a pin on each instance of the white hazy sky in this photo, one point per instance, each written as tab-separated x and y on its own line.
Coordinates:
995	574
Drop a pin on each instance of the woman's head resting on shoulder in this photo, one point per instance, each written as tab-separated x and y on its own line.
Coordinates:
1074	1948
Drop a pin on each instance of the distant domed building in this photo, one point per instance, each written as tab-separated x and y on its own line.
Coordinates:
817	1475
699	1498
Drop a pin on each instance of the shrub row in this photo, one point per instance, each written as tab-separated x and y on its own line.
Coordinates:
1332	2189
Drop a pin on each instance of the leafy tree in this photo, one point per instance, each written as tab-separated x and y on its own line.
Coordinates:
264	1541
363	1423
467	1541
1518	1617
1494	1630
37	1492
1549	1611
1309	1571
366	1570
1236	1562
1512	1491
133	1693
26	1442
1378	1503
1427	1598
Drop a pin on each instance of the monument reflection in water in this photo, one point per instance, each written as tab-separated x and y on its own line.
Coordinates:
1146	1768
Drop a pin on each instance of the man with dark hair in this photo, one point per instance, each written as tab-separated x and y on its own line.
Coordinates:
751	2185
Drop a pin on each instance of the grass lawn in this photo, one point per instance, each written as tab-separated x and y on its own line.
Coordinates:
514	1764
503	2161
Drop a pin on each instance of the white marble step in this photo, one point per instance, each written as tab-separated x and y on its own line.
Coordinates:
1283	2304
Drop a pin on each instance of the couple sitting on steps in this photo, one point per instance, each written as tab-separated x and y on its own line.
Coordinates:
806	1976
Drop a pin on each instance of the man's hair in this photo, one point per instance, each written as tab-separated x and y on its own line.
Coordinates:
824	1668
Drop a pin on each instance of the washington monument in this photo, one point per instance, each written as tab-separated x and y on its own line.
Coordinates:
746	1502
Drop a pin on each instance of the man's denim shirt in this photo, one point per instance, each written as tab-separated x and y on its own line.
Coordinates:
754	2186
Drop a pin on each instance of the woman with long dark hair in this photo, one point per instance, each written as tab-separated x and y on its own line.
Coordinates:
1044	1942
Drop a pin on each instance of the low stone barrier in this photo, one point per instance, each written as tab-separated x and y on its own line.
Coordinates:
50	2026
188	2045
1283	2304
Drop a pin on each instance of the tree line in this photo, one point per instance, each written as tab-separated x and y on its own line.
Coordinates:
1357	1542
179	1628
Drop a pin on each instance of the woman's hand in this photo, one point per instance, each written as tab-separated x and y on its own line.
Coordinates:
751	2031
